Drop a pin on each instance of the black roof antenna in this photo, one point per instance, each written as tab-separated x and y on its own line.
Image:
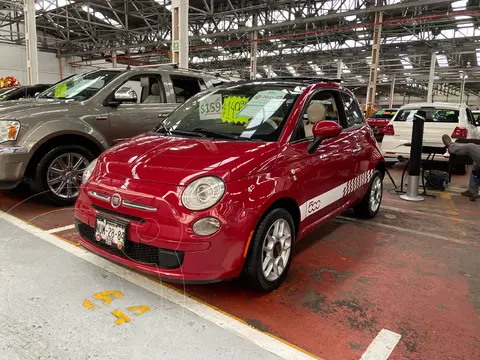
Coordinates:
129	67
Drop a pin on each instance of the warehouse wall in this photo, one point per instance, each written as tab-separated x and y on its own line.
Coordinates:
13	62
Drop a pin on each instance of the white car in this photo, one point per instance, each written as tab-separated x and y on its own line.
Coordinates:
455	120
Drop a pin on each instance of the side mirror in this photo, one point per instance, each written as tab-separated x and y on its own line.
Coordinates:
321	131
125	94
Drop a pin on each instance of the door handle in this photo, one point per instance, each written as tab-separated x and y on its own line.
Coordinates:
356	150
101	118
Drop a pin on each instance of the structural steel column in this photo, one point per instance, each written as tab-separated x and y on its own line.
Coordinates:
114	58
431	77
269	71
339	68
31	42
253	56
372	83
180	33
392	92
462	88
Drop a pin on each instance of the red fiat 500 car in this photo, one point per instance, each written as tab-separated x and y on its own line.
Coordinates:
379	120
230	181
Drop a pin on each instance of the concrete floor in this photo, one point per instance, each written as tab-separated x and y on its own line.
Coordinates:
42	292
412	270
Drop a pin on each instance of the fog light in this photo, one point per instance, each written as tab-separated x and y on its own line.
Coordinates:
206	226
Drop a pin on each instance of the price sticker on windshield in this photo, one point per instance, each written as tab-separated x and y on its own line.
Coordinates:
210	107
232	105
60	90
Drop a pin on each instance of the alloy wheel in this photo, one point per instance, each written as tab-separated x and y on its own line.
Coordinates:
376	194
276	249
64	175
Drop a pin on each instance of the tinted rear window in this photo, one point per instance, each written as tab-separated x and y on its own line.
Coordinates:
384	114
432	115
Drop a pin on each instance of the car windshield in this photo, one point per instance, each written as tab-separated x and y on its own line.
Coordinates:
254	111
384	114
7	92
80	87
432	115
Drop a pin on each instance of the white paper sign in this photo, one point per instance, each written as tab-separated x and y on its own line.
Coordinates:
210	107
268	101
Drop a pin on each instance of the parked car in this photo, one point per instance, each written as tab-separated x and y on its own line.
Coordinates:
226	184
441	118
23	92
51	140
379	120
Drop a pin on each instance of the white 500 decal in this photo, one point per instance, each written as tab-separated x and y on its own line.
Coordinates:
311	206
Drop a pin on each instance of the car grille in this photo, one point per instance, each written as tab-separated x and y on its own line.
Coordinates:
142	253
120	215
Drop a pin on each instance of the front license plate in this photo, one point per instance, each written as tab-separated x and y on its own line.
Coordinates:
111	232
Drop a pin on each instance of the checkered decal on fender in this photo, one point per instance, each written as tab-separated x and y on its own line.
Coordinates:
357	182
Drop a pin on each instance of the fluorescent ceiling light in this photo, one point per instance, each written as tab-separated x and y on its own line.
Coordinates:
442	60
466	25
351	18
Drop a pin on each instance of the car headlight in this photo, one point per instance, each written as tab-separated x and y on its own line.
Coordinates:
88	171
9	130
203	193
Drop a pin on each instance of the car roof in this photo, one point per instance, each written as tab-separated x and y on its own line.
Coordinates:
437	105
293	80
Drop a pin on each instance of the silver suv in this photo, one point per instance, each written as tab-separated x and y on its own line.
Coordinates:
49	141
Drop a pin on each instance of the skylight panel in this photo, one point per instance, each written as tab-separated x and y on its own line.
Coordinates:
100	16
406	63
459	5
442	60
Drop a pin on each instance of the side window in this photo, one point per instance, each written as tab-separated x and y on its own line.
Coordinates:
185	87
321	106
148	88
471	118
353	114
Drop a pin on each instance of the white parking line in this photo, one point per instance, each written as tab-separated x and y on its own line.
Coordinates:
382	346
60	229
263	340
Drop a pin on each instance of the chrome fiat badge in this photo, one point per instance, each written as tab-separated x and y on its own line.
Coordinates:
116	201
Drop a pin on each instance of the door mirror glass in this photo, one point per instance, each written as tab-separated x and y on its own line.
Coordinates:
326	129
125	94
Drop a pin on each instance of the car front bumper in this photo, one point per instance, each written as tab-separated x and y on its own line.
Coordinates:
164	245
12	166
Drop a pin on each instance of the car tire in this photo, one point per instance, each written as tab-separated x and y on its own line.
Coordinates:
38	179
254	275
460	169
370	205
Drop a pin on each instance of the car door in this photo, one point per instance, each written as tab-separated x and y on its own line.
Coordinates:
360	147
321	177
133	118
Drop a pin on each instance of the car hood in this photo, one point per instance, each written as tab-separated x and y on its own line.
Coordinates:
21	109
177	161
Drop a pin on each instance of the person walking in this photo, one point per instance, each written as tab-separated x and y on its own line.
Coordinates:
473	152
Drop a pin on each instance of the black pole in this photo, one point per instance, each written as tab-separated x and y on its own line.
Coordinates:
415	162
417	144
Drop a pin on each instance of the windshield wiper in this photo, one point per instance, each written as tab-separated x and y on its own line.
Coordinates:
220	134
171	132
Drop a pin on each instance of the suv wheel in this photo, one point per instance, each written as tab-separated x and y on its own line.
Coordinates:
370	204
58	175
270	252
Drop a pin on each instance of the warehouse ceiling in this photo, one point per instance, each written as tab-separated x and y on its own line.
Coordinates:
299	37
